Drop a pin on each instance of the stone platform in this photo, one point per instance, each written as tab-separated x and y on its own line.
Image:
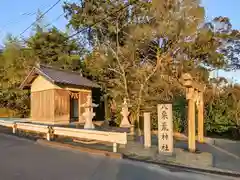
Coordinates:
180	156
205	157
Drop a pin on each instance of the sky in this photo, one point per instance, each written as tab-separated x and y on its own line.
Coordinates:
17	15
228	8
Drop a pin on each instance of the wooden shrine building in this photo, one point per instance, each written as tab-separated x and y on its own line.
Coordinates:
56	95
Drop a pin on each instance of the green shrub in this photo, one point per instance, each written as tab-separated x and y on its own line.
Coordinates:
177	122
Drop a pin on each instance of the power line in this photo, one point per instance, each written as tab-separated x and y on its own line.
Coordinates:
40	17
78	32
2	29
56	19
14	21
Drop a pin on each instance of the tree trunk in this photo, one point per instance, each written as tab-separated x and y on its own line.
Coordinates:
138	110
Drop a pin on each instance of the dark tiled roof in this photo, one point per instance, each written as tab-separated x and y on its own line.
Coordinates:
58	76
66	77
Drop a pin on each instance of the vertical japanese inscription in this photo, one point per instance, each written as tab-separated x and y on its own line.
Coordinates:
165	128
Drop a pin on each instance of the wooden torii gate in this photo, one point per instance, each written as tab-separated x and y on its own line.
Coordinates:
194	95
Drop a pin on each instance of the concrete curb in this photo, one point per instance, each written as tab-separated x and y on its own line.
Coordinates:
213	143
188	168
214	140
8	135
80	149
207	140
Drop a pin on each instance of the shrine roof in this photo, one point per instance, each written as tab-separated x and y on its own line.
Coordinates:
57	76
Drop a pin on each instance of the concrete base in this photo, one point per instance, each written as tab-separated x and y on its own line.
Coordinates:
89	125
104	123
139	150
89	128
165	157
167	154
202	159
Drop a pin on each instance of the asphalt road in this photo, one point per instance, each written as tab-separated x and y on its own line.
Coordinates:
221	160
228	145
22	159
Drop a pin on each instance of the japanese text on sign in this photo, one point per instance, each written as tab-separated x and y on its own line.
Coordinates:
165	136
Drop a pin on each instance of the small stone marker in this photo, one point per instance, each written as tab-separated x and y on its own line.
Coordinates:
48	136
147	130
165	128
115	147
89	114
14	128
50	133
125	113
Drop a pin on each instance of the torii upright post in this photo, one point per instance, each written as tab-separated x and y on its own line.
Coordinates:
194	95
191	119
200	106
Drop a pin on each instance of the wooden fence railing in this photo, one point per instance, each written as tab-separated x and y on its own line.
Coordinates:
112	137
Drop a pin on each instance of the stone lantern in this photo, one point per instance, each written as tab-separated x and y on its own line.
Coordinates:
89	114
125	113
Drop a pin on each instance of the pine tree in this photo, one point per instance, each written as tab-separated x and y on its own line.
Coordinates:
53	47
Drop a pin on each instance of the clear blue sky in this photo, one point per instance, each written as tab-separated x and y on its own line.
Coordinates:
14	19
